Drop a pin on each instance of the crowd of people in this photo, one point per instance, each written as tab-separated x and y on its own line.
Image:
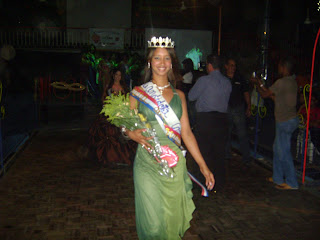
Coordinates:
202	113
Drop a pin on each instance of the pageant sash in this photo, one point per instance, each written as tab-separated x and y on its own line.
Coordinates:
149	95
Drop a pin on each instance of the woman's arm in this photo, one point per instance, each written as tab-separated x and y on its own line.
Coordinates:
136	135
192	145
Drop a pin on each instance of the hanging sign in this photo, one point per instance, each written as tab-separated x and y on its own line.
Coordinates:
107	38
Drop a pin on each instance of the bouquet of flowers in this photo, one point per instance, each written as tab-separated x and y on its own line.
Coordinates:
118	112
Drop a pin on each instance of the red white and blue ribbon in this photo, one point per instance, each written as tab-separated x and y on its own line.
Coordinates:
204	192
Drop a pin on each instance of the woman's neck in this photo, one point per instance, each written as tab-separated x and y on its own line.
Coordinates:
160	81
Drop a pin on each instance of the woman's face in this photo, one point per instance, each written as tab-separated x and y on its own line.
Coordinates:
117	76
161	62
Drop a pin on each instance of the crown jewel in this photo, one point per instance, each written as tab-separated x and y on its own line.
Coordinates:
160	43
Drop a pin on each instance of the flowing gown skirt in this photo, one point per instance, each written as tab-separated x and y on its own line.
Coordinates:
164	205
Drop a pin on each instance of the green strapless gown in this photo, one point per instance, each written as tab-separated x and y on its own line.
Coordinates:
164	205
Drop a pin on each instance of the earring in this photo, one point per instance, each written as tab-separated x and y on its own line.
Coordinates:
148	64
171	65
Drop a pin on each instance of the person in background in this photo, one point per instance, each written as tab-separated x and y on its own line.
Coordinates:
187	75
284	94
186	85
239	108
125	69
106	143
211	93
116	85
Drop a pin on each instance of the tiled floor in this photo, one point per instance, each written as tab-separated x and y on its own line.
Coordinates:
53	192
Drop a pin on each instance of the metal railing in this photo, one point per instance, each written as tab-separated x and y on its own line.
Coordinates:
61	38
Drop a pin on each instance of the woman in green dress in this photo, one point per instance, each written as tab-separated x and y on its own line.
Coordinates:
164	205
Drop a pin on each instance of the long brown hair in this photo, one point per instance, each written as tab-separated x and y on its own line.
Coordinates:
107	87
173	74
122	82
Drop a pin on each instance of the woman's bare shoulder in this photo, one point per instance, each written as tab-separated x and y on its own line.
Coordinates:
180	93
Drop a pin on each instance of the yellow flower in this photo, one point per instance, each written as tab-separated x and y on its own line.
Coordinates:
142	118
148	125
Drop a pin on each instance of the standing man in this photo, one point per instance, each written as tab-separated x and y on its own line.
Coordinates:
284	94
211	93
238	109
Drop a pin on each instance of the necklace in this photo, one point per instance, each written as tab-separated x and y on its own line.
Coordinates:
161	89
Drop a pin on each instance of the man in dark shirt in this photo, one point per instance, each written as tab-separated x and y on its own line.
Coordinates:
239	108
211	93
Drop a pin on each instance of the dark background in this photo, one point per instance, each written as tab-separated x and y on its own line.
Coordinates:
242	21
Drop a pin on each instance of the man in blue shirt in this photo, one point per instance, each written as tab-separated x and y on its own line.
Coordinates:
211	93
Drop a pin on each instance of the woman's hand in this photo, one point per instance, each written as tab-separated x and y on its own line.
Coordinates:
208	176
136	135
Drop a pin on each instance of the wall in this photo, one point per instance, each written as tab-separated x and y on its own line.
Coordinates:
99	13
